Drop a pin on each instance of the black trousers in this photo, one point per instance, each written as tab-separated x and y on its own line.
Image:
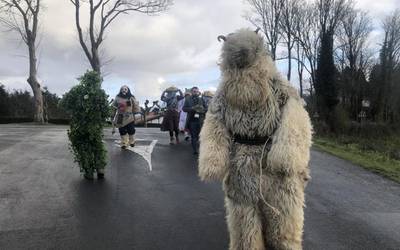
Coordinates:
194	127
128	129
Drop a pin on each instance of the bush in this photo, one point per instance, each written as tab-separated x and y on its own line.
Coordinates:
366	129
338	123
9	119
59	121
88	106
341	120
369	129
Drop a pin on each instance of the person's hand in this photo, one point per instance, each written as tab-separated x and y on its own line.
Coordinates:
198	108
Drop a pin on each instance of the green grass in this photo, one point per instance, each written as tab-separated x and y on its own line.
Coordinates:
378	161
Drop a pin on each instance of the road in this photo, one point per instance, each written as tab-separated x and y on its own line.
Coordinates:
153	199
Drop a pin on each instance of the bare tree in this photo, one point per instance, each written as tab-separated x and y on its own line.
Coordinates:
389	63
101	14
354	58
287	23
353	37
391	26
22	16
306	35
301	57
331	12
266	14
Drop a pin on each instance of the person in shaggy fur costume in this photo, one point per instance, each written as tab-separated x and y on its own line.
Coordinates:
256	138
125	106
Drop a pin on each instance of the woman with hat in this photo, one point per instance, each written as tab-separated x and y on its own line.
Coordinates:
171	96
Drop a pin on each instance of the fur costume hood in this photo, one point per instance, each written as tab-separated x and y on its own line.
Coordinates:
208	93
245	60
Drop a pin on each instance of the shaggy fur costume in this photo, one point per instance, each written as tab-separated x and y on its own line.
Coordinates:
264	206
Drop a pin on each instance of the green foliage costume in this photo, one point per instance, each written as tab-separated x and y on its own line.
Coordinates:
88	106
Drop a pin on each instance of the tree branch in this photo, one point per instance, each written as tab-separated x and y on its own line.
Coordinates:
78	27
103	13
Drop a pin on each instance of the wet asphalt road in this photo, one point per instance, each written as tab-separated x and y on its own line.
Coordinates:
46	204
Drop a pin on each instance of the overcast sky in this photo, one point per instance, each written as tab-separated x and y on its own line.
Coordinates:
148	53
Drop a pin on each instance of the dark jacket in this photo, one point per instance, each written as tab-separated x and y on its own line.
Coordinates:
195	108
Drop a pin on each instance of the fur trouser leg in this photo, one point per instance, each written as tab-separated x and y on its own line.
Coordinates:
258	227
283	231
131	139
244	226
124	140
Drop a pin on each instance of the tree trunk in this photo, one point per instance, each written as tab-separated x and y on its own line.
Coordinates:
300	68
38	97
273	53
95	60
34	83
289	59
96	64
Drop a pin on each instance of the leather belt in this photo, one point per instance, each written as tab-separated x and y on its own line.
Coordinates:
259	140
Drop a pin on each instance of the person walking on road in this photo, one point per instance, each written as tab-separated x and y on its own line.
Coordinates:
171	96
196	109
126	106
183	126
207	97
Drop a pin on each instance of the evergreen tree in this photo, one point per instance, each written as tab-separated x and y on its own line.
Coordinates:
50	106
21	104
326	85
4	101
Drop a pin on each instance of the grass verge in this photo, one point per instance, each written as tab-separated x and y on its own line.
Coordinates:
375	161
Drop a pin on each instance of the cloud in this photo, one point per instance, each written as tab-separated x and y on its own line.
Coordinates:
14	83
178	46
378	9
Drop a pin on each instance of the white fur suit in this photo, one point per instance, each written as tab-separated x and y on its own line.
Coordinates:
256	114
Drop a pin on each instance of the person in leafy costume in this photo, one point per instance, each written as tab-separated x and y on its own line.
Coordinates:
88	106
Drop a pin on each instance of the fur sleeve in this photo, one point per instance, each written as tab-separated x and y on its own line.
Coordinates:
214	145
135	105
290	151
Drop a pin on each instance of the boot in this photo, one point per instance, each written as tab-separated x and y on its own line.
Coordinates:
88	175
124	141
187	136
132	140
171	140
100	173
177	139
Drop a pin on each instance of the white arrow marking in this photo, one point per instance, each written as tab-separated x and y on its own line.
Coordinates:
143	150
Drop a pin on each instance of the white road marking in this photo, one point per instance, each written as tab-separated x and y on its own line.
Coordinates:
143	150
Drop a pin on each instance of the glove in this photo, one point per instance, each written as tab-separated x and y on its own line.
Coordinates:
198	109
